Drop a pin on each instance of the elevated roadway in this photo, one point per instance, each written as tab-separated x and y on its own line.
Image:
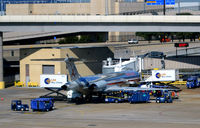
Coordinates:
138	23
13	36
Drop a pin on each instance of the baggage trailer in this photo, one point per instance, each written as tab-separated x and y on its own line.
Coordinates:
127	96
138	97
42	104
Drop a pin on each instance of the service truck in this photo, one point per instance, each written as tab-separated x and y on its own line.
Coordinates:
166	97
52	80
115	97
192	82
161	76
164	75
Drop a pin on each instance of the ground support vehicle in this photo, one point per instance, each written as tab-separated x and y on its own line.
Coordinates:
42	104
138	97
133	41
115	97
127	96
17	105
165	98
192	82
174	94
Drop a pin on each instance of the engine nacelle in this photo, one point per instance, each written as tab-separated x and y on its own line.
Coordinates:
99	86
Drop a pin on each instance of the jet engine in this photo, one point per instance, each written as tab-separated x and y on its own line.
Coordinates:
98	86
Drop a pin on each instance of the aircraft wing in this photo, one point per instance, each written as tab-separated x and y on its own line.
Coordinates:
108	79
117	88
116	78
105	77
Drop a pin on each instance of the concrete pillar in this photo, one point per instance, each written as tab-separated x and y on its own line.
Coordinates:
2	86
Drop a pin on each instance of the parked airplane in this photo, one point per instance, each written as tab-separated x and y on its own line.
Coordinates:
85	87
95	84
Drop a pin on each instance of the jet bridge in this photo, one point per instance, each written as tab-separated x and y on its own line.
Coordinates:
110	65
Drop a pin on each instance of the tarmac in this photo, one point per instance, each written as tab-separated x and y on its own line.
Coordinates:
182	113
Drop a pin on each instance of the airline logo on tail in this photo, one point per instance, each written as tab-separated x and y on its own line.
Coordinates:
72	68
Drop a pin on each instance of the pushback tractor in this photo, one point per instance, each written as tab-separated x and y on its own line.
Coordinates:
16	105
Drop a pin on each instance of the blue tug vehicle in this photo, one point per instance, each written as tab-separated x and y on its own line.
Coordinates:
16	105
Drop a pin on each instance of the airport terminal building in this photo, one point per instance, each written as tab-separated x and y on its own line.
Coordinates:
77	7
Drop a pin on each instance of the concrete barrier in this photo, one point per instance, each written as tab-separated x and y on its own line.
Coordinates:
2	85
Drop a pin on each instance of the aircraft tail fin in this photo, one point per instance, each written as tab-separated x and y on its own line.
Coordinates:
72	68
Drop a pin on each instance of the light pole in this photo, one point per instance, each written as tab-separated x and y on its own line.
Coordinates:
164	8
164	15
106	7
1	7
144	6
179	6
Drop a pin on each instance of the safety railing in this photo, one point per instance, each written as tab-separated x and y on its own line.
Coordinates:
30	84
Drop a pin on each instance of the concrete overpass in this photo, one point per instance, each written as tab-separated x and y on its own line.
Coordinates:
47	23
14	36
141	23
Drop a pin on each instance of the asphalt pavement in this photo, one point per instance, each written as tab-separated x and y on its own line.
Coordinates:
182	113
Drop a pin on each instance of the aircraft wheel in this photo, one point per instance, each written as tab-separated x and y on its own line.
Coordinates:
116	101
78	100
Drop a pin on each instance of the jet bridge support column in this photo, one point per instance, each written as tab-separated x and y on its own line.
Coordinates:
1	61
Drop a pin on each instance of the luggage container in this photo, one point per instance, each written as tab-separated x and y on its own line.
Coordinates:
139	97
42	104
